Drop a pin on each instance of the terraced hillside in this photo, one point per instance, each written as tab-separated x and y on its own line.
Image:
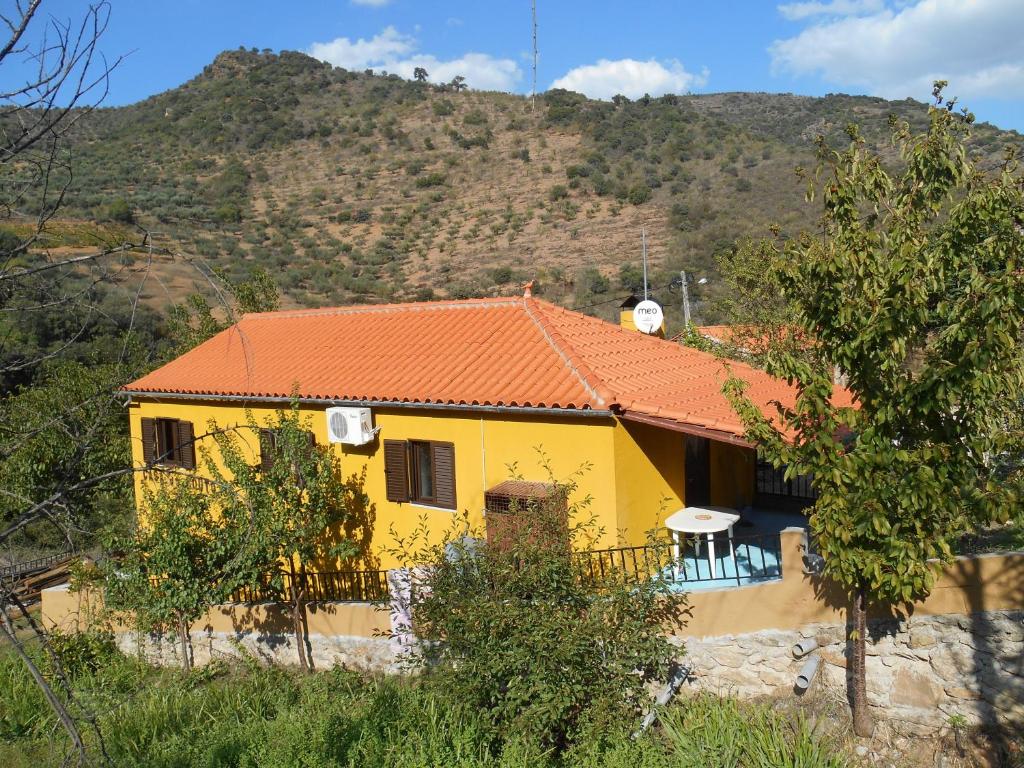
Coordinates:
354	187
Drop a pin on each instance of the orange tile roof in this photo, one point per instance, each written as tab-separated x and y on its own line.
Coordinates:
515	352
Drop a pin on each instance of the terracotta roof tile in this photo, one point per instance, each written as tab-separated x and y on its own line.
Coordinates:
519	352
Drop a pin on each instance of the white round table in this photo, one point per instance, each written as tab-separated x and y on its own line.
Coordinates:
703	520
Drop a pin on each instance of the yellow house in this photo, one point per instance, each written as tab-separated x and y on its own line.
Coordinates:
441	403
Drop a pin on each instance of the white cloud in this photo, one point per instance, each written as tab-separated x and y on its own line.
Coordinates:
360	54
797	11
978	46
391	51
631	78
371	3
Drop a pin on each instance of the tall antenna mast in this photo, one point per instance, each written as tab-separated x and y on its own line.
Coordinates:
643	243
533	97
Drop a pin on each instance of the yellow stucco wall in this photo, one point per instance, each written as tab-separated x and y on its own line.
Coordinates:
649	478
487	447
633	474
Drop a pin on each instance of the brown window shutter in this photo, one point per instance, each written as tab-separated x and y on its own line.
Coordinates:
267	449
185	450
148	441
443	455
311	438
396	470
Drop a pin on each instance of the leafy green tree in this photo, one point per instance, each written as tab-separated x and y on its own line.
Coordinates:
509	630
762	320
458	83
297	500
195	321
913	289
66	428
185	556
120	210
420	75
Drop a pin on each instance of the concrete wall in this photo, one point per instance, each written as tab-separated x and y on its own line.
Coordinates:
959	652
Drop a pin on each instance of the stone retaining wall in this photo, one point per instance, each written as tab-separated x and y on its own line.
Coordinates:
920	671
368	654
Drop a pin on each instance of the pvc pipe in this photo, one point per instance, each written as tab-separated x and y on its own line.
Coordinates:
804	647
807	673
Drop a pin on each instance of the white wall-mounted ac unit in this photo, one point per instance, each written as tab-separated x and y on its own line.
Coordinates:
351	426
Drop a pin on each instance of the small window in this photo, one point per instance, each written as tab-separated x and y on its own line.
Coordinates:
168	442
421	471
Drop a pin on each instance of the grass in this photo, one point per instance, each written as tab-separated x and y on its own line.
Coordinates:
246	715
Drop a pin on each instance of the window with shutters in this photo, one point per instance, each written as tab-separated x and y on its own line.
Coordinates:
170	442
420	471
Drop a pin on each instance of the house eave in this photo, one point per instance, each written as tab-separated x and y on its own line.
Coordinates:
688	429
328	402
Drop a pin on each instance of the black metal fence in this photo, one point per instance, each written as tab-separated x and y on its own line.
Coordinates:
750	559
36	565
321	586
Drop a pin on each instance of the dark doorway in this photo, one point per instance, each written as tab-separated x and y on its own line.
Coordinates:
698	471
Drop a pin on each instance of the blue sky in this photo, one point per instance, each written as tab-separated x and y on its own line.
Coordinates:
891	48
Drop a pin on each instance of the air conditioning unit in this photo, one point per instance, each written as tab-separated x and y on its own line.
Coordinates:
351	426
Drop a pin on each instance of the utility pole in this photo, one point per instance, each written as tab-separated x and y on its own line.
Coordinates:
643	245
686	298
533	97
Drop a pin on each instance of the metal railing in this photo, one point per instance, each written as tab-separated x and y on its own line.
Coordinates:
751	559
36	565
321	586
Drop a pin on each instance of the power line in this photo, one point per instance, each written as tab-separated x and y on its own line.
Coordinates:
621	299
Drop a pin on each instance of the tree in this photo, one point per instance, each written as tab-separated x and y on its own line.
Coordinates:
420	75
913	289
185	556
510	631
458	83
194	322
297	501
761	319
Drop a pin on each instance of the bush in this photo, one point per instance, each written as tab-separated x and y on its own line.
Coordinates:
558	192
434	179
571	651
638	194
443	108
120	210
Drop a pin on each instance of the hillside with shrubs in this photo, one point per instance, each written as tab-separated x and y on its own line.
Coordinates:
359	187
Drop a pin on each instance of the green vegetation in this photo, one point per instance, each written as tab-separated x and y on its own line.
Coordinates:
913	292
184	557
294	508
282	162
575	656
228	716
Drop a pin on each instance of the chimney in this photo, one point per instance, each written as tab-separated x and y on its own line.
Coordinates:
528	290
626	313
626	317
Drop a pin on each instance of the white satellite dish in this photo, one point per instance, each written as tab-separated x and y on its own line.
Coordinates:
648	316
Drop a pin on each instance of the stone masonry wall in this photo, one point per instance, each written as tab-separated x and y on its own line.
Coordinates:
920	671
368	654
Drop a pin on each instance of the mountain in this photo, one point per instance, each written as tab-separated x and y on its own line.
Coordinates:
355	187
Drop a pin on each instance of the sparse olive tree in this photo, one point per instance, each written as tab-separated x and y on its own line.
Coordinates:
420	75
914	289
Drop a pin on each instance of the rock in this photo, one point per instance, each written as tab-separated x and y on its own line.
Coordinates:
962	693
921	637
914	689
